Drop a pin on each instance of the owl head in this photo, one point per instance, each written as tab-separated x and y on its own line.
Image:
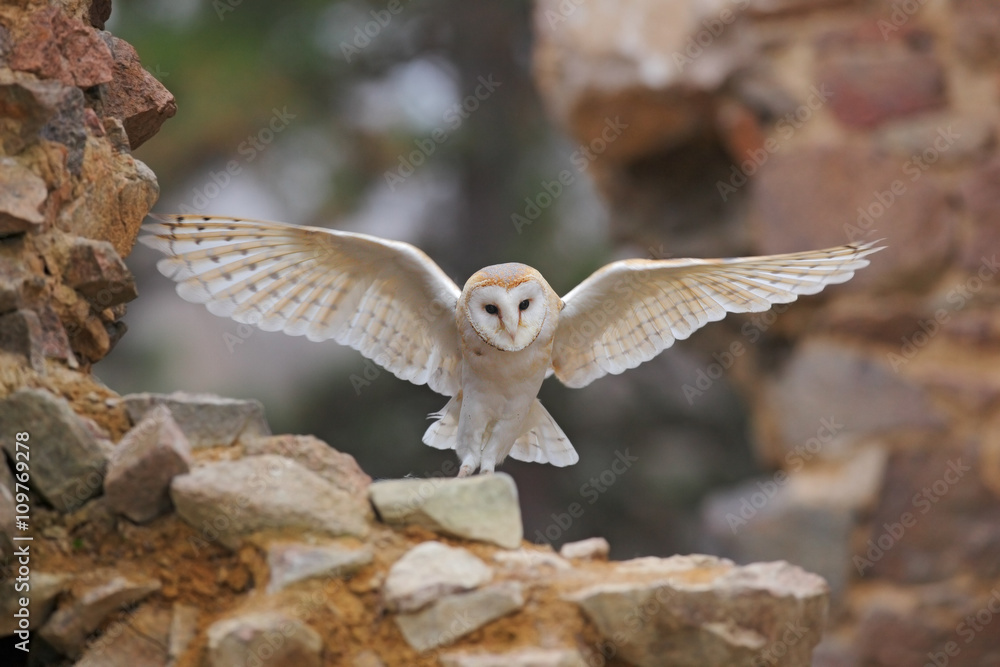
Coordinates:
507	305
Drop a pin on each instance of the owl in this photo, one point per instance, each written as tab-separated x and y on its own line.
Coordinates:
489	345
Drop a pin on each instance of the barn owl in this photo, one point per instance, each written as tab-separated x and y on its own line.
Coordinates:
489	345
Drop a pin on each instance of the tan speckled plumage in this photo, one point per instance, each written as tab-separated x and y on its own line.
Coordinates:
489	345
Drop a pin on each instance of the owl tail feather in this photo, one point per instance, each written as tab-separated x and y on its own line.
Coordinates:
541	441
443	434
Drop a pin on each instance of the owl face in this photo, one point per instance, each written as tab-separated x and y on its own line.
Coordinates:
507	314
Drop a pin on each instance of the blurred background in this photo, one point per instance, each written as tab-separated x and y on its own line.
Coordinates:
568	134
347	108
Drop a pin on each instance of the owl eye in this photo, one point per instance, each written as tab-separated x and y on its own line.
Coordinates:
524	304
491	309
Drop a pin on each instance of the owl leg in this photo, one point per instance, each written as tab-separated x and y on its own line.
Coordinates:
469	465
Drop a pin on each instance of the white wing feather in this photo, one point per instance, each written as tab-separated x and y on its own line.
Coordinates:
629	311
386	299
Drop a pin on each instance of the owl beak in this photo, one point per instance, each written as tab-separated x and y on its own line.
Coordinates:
510	324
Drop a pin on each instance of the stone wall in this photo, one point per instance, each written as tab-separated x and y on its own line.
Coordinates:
767	126
176	530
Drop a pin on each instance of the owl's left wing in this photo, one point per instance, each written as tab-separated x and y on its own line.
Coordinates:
384	298
629	311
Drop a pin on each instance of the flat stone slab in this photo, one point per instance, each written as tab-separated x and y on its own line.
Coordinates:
483	508
228	500
207	420
138	640
455	616
430	571
99	595
291	562
691	611
338	468
283	638
593	548
531	657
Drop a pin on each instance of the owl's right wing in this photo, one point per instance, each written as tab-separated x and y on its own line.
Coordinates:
386	299
629	311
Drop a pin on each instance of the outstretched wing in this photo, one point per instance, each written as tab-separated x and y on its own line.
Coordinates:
628	312
386	299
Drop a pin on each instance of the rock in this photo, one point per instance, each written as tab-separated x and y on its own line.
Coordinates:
143	464
100	11
134	96
35	336
21	198
806	517
21	334
228	500
183	630
767	7
67	461
28	105
455	616
968	136
701	610
291	562
206	420
530	657
98	594
629	81
245	640
874	79
977	31
594	548
138	639
982	200
483	508
935	519
828	392
531	562
53	341
865	197
121	190
367	659
45	588
95	270
338	468
55	46
430	571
